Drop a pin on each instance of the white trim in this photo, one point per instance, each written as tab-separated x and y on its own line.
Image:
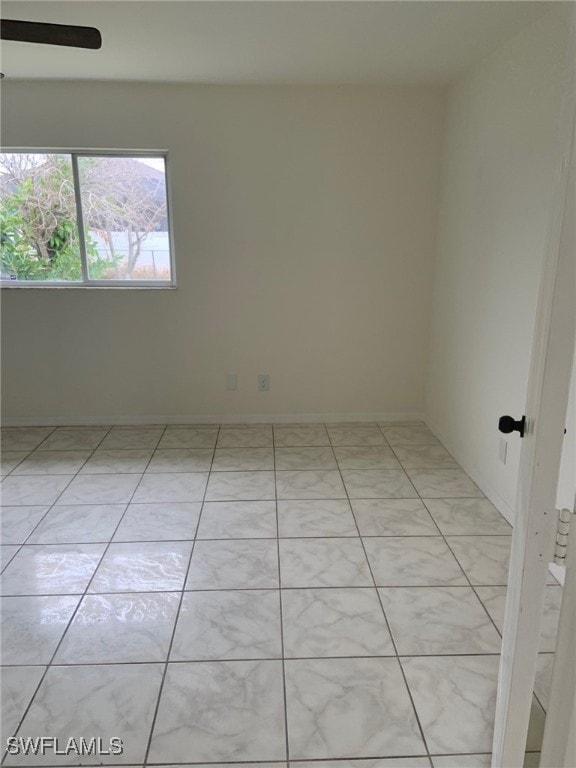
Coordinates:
217	418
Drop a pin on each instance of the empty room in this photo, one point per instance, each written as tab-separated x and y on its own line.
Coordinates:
288	302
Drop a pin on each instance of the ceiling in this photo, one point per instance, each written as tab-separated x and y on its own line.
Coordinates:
240	41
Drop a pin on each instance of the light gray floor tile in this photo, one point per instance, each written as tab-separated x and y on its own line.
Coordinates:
33	626
334	622
23	438
323	695
241	486
238	520
443	483
74	439
462	761
366	457
181	460
315	484
238	437
240	459
120	629
143	567
7	552
424	457
142	438
286	436
52	463
438	620
462	517
485	559
356	436
378	484
413	561
305	458
17	523
30	491
117	461
82	523
383	762
411	435
316	518
220	711
393	517
171	487
11	459
108	700
188	437
51	569
100	489
234	564
159	522
18	685
228	625
323	563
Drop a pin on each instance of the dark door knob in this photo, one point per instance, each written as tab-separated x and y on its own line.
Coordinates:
507	425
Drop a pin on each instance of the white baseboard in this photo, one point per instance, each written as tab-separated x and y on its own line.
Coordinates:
221	418
481	481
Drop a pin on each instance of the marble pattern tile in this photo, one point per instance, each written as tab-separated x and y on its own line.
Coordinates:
241	486
378	484
181	460
413	561
171	487
30	491
52	463
323	563
253	437
116	700
11	459
7	552
356	436
393	517
334	622
234	564
424	457
143	567
220	711
455	698
74	439
409	435
300	436
484	559
51	569
82	523
443	483
462	761
228	625
17	523
381	762
239	459
23	438
324	517
100	489
110	461
142	438
188	437
121	628
159	522
305	458
324	694
310	484
367	457
465	517
17	685
438	620
33	626
238	520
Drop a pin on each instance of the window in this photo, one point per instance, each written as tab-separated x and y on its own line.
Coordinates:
84	219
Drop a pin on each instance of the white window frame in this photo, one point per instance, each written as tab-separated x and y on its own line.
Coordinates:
86	281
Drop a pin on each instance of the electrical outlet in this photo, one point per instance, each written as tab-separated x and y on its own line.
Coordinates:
503	450
231	382
263	382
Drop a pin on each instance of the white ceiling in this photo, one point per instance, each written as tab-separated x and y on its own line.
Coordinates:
240	41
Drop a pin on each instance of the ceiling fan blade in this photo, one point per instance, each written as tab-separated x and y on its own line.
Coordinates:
50	34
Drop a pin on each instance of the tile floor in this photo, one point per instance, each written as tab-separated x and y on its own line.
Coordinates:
253	594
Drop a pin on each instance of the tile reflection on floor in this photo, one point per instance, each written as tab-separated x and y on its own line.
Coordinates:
252	594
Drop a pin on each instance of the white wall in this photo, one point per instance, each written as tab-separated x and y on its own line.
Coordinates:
305	223
499	163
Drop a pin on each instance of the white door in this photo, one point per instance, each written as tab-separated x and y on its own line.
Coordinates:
546	406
